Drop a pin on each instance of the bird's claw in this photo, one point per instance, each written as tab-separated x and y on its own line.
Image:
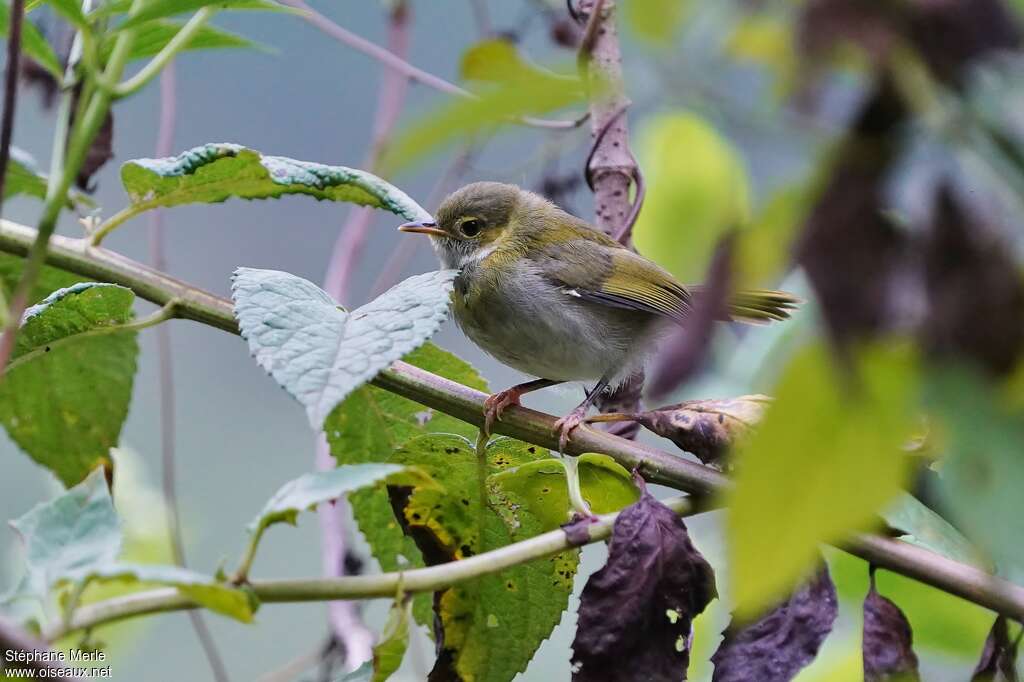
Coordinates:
495	405
566	424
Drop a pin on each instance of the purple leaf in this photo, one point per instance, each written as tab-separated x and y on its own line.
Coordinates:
636	613
888	641
782	642
685	350
999	657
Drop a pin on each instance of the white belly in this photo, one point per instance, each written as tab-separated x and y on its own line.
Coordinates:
549	333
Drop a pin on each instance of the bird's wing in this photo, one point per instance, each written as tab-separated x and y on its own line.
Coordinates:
615	277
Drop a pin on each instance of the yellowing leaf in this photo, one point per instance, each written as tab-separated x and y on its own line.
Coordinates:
656	20
697	189
825	461
767	40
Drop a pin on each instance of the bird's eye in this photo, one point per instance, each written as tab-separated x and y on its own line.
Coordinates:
471	227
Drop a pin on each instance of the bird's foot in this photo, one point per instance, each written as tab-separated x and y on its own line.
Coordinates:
496	404
565	425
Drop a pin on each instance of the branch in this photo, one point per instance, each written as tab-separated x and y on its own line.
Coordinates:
13	638
17	14
393	61
466	404
385	585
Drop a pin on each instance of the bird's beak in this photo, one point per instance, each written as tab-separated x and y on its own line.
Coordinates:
422	227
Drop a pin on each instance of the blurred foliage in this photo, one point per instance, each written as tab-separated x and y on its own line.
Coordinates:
830	441
696	185
657	20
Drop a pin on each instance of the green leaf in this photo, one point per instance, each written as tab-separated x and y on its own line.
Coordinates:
824	462
22	176
394	640
371	424
33	43
72	11
75	334
159	9
657	20
309	490
215	172
497	60
982	473
540	488
50	279
697	189
491	625
204	590
318	352
76	531
461	118
152	36
923	527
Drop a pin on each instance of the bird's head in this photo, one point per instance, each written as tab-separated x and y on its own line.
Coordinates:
471	221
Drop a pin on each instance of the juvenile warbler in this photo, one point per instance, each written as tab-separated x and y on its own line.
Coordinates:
544	292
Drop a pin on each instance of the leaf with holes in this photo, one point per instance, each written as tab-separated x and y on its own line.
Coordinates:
490	627
636	612
218	171
541	488
76	334
782	642
371	424
320	353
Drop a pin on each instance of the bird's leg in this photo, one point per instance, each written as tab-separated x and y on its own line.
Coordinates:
566	424
496	404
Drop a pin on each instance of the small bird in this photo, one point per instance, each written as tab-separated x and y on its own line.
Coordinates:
544	292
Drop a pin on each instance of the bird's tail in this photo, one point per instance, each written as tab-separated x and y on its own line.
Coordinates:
758	306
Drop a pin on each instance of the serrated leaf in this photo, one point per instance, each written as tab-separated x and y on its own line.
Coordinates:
75	531
540	488
491	626
309	490
320	353
69	425
371	424
216	172
923	527
394	640
33	43
636	612
847	441
159	9
219	597
152	36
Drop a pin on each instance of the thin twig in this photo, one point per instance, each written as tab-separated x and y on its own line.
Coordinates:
158	257
17	12
393	61
466	404
335	519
